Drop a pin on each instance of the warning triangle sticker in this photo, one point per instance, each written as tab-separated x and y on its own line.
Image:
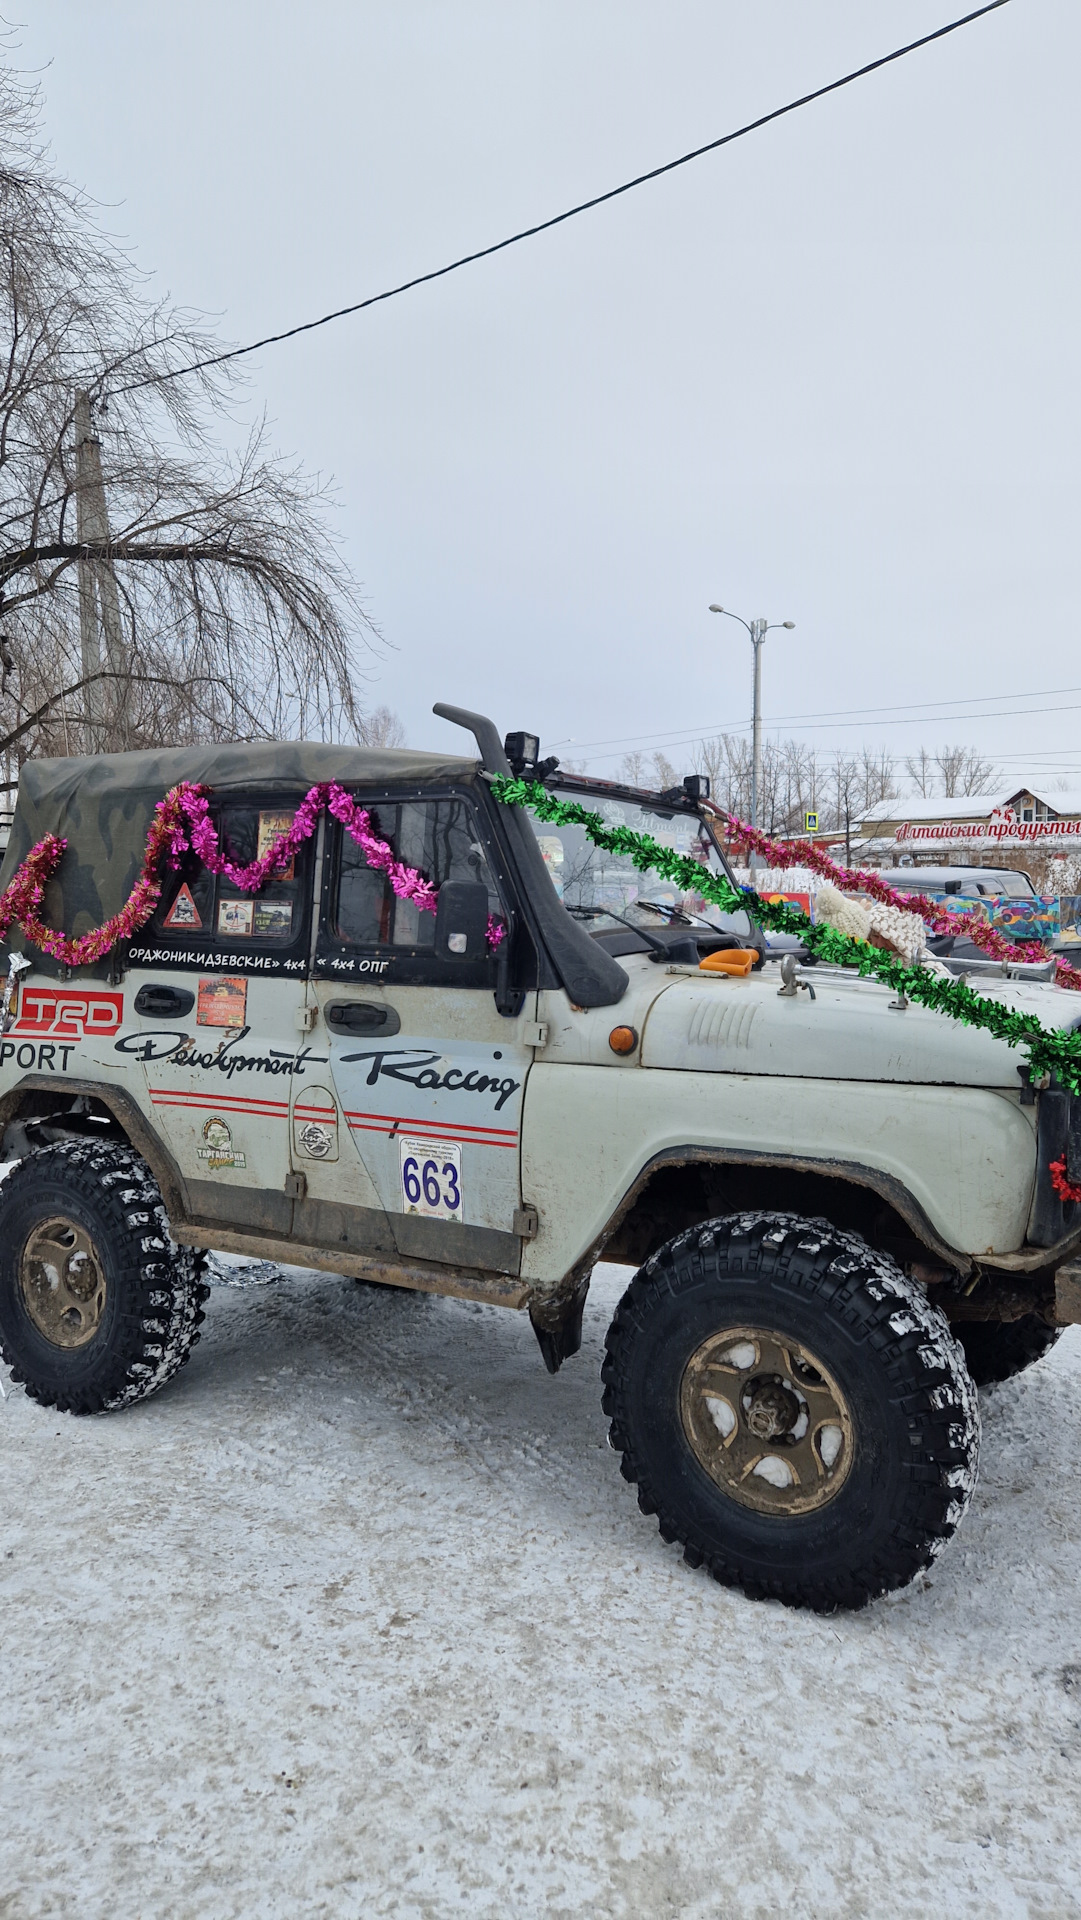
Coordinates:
183	912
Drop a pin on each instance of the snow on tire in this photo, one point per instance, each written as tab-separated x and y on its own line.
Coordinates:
792	1408
98	1307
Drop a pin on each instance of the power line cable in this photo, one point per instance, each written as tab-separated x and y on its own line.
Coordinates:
584	206
826	726
840	713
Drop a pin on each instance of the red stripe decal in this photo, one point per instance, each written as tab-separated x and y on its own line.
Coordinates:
420	1125
234	1106
273	1109
425	1133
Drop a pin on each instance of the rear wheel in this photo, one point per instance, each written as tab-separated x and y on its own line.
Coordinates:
98	1308
792	1409
997	1349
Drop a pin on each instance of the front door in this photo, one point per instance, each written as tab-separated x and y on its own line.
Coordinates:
427	1076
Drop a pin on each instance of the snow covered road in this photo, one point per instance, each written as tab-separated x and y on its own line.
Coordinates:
358	1617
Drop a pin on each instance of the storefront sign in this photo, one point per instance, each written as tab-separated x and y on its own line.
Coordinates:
1003	826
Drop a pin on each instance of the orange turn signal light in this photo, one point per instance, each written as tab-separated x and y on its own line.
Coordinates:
735	960
623	1039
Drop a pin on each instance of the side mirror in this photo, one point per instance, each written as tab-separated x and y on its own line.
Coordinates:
461	920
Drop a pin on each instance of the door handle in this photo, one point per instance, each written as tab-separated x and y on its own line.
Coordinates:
163	1003
362	1016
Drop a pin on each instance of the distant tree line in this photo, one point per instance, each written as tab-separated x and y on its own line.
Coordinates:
798	779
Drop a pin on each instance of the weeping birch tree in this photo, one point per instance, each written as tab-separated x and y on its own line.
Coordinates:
153	587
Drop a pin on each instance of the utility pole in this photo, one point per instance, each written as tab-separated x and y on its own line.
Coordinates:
97	586
758	634
758	630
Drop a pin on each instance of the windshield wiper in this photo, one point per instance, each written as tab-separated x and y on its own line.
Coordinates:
676	953
662	907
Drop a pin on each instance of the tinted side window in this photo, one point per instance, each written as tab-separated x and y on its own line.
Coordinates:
200	915
440	839
275	912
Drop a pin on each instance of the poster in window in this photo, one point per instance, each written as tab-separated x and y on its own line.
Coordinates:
235	919
271	828
274	918
223	1001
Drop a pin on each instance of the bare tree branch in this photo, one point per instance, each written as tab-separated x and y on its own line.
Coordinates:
238	615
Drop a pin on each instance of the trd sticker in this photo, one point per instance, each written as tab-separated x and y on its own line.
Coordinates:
217	1149
69	1015
184	912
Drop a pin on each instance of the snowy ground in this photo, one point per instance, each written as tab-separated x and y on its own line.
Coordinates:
358	1618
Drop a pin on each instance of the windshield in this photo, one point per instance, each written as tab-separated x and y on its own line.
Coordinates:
604	886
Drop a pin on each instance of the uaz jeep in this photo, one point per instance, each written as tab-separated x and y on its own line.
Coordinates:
839	1204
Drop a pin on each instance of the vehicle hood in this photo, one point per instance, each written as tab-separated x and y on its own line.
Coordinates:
852	1029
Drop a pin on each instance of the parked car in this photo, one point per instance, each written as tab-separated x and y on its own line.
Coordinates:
838	1204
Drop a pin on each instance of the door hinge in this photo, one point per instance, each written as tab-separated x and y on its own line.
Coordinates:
305	1018
535	1033
296	1186
526	1223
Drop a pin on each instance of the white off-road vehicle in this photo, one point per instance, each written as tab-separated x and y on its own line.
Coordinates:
839	1205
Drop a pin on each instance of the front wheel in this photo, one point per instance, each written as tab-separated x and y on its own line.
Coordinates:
792	1409
98	1308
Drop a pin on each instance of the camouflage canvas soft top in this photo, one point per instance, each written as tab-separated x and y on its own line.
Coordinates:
103	806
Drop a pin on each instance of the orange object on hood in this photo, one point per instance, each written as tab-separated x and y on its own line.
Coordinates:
736	960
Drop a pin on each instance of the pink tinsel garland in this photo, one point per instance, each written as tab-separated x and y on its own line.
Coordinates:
805	854
182	822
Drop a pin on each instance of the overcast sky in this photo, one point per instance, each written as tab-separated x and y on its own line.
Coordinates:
826	375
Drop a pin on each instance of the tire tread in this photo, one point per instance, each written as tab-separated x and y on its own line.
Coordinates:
925	1366
164	1284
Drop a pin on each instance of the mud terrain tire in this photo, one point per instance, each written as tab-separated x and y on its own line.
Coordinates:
843	1328
105	1325
997	1349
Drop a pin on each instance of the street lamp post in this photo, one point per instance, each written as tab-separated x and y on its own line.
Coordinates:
758	630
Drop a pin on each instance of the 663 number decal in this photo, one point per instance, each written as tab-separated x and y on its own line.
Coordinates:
431	1175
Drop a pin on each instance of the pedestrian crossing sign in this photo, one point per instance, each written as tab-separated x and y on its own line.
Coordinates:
810	823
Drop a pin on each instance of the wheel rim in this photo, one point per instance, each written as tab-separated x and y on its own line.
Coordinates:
63	1283
766	1420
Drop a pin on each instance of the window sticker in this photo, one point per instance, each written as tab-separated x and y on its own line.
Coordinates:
223	1001
235	918
431	1175
271	828
184	912
274	917
217	1149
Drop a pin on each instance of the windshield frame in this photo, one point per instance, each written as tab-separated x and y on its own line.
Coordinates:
585	790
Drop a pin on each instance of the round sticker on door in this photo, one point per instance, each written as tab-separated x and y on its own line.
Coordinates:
315	1125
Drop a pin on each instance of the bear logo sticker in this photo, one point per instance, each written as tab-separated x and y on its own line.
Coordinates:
217	1149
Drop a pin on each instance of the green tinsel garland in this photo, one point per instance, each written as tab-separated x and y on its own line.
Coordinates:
1048	1049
